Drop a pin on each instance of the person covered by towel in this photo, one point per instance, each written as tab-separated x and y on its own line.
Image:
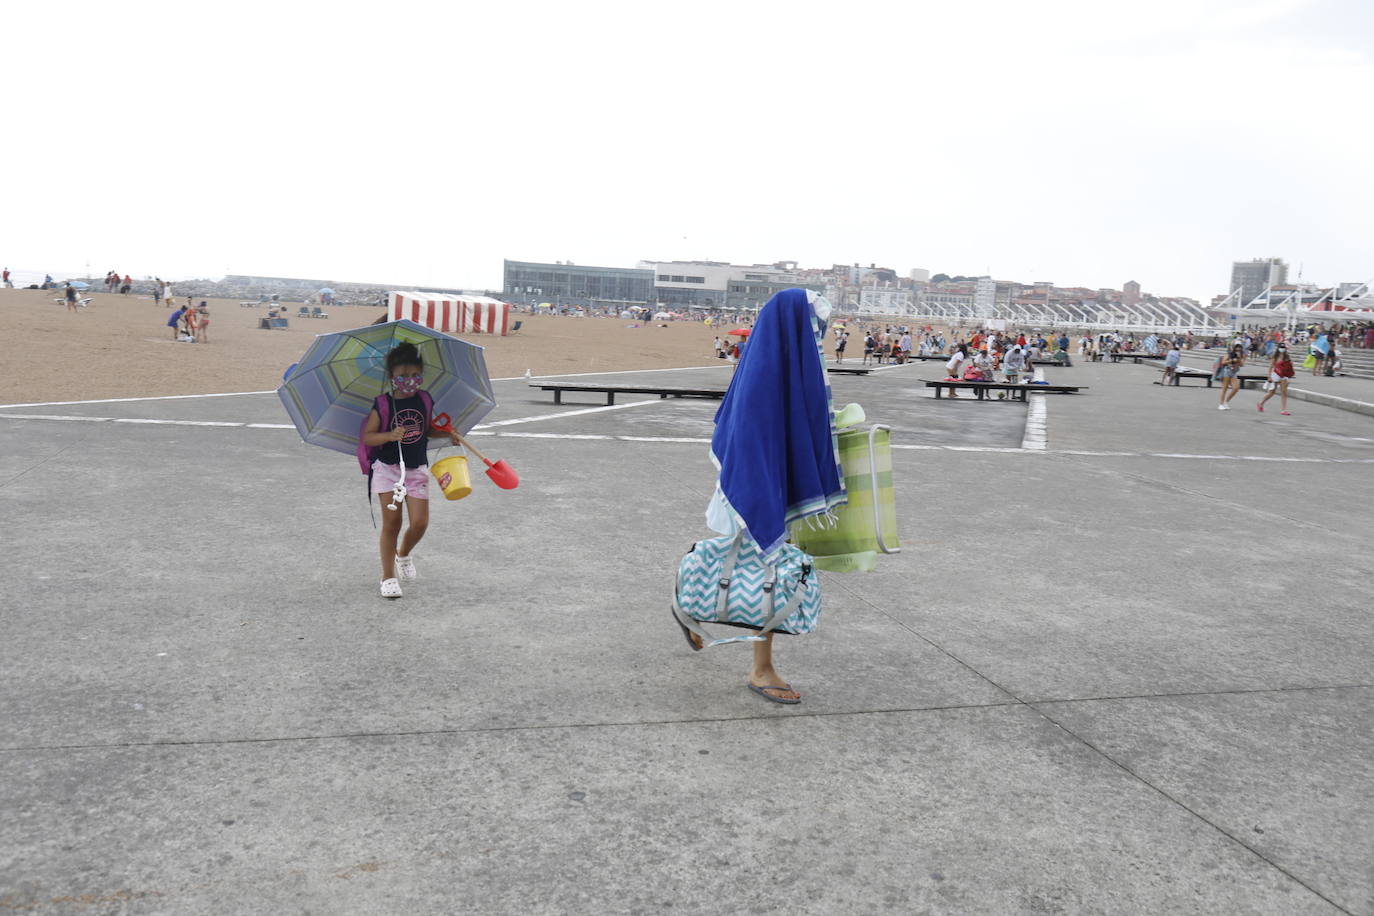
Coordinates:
776	447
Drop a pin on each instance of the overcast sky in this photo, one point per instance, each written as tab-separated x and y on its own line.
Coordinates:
1083	142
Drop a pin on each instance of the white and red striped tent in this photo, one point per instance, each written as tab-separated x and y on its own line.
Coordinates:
456	314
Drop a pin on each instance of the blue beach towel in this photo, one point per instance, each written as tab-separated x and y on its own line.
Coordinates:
774	441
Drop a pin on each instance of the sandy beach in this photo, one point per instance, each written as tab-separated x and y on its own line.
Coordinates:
120	346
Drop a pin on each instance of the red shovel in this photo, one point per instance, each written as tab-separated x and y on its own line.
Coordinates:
501	474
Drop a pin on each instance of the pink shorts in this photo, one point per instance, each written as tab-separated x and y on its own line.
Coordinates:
386	476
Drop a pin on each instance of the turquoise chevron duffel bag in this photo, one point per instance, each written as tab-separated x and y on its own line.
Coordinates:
722	580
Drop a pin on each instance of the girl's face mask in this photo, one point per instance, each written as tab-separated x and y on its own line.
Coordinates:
406	385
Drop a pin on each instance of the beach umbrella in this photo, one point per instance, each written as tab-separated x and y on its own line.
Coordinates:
325	289
738	332
330	391
78	284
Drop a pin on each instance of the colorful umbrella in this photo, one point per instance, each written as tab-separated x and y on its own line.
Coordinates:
738	332
329	392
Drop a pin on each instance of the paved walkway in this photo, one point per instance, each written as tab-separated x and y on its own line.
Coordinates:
1131	671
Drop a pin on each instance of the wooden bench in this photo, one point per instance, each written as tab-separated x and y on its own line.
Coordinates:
1018	391
1134	357
845	370
612	390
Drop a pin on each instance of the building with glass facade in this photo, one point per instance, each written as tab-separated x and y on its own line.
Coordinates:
533	282
1253	277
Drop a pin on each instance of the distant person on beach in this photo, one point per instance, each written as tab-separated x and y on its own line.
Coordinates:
841	341
128	283
720	349
6	281
47	281
173	322
70	293
203	323
157	291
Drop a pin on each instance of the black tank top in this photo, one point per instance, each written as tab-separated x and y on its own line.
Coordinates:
408	412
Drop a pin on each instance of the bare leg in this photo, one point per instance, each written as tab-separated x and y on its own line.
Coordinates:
1283	395
391	530
418	510
765	675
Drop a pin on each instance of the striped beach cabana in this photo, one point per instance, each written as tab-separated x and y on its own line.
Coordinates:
449	313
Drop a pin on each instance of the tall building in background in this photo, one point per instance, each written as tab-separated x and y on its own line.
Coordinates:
1130	293
1253	277
985	297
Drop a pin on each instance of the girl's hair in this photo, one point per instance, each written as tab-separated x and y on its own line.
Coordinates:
404	354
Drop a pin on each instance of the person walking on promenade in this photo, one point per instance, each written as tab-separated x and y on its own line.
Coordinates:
1171	363
405	443
1318	351
770	481
841	341
1227	368
1280	371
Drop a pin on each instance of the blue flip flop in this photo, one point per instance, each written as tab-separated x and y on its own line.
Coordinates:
762	691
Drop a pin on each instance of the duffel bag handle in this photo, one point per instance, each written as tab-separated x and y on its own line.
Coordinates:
873	481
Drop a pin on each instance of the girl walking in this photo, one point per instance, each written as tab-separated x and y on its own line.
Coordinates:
1227	368
408	408
1280	371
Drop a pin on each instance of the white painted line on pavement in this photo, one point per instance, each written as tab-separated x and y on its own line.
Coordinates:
1036	436
567	413
166	397
594	437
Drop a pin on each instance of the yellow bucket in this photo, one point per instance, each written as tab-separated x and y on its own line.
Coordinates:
452	474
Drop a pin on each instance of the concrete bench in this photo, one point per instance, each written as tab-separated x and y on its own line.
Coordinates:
1018	391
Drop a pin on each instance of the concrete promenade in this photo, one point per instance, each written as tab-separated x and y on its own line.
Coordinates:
1129	669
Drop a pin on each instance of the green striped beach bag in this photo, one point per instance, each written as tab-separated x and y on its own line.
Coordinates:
867	526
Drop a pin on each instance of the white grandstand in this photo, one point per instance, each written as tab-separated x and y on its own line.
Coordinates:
1288	306
1169	314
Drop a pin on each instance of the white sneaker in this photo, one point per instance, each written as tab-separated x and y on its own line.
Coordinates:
405	567
391	588
1222	407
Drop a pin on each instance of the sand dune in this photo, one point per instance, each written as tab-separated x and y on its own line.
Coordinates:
120	346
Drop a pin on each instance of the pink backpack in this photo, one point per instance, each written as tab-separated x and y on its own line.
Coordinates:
368	454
